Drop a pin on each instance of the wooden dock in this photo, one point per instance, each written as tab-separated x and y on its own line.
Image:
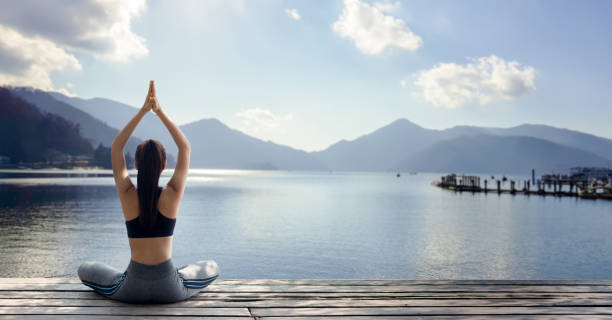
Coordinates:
556	187
58	298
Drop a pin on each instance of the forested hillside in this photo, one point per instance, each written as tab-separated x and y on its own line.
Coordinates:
27	135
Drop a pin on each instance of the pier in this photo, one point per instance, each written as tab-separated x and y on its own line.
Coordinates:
548	185
62	298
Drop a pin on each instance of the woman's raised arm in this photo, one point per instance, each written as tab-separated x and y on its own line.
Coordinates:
120	172
179	178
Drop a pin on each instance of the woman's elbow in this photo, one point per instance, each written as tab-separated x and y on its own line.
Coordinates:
115	146
185	146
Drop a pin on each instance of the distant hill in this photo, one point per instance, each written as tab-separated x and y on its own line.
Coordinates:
379	150
28	135
499	154
598	145
113	113
213	144
390	147
91	128
117	114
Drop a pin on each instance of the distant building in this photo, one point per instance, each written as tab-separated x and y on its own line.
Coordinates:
590	173
461	181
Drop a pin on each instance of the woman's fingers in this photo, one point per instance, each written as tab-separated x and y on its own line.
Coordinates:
146	103
150	90
150	101
154	104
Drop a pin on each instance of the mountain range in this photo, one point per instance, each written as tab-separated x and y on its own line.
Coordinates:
401	145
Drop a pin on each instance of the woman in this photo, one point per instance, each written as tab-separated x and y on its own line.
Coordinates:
150	214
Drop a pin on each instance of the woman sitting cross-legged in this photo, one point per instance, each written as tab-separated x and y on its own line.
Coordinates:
150	214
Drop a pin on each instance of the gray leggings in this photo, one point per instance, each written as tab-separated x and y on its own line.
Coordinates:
141	283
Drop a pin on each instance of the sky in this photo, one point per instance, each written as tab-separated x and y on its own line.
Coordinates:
309	73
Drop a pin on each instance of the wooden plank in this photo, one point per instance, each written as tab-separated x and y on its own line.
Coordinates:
39	280
291	288
315	295
50	295
387	295
272	312
412	289
440	288
348	282
391	282
454	317
302	303
494	317
101	317
131	310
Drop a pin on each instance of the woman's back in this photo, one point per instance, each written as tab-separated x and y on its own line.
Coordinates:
149	250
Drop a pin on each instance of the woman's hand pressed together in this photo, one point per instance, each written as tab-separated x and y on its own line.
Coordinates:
148	104
153	99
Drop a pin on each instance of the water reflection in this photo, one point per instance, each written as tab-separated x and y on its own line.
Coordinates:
43	228
310	225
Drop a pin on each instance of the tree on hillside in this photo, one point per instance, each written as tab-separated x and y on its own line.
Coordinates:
129	161
102	158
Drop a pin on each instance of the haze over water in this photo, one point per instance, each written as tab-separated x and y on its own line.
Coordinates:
274	224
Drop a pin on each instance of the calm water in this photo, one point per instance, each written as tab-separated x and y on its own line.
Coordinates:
310	225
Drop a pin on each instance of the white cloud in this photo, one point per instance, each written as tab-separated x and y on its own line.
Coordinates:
388	6
40	37
98	27
372	31
484	80
28	61
293	14
258	120
403	83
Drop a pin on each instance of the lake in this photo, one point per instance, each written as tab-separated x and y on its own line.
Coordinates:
274	224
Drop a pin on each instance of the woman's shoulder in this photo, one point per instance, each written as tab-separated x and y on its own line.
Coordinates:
130	204
166	203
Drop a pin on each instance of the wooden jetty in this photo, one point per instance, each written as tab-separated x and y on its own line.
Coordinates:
60	298
547	186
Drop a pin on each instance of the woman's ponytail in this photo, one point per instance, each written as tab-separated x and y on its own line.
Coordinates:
150	161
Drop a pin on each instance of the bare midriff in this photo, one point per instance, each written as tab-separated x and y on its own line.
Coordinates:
151	251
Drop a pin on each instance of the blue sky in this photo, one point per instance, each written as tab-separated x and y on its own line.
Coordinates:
343	69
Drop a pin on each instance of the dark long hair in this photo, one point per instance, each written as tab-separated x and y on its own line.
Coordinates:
150	160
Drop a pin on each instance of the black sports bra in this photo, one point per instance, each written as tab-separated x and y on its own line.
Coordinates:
163	227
